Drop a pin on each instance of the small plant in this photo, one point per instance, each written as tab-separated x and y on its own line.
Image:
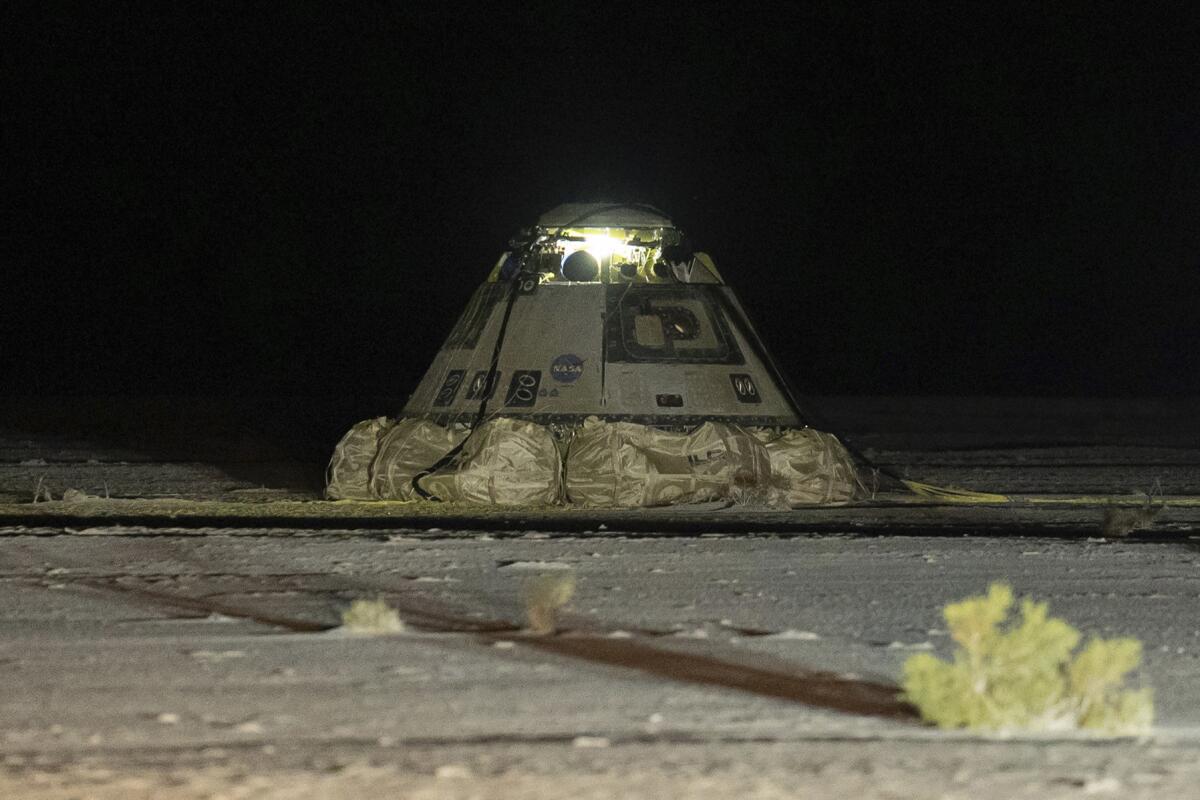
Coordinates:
1010	675
544	596
1120	521
371	618
77	496
1123	520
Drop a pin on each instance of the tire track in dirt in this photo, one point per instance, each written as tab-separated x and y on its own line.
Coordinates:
778	680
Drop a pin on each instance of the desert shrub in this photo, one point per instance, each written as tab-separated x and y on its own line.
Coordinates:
1121	521
543	597
371	618
1010	675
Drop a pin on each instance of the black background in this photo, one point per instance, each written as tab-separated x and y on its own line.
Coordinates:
910	198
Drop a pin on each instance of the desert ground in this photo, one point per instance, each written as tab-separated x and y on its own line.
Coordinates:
171	627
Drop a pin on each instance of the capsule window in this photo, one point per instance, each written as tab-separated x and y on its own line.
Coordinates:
663	324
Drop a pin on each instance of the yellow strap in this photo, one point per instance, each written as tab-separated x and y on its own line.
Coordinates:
953	495
1177	501
948	494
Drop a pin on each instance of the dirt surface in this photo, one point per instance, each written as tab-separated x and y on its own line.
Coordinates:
161	648
599	770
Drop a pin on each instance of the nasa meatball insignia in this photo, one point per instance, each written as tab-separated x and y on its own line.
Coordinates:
566	368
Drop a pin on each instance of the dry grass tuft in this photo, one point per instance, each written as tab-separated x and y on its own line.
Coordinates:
77	496
371	618
41	492
543	597
1123	520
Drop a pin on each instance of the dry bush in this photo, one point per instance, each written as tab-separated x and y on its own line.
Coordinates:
543	597
77	496
371	618
1123	520
1019	675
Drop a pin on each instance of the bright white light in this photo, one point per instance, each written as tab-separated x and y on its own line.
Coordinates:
604	247
598	245
601	247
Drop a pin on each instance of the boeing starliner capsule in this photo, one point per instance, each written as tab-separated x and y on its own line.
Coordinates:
604	310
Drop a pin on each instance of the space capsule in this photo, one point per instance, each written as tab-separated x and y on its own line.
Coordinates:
602	310
603	362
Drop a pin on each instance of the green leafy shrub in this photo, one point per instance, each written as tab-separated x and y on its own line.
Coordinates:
1019	675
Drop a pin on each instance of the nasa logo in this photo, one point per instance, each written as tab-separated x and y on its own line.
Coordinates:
566	368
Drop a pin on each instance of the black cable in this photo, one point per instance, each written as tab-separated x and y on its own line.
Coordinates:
738	315
487	391
488	387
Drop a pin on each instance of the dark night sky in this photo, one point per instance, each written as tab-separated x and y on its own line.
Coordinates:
910	197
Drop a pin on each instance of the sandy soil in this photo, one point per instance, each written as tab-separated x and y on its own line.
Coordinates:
167	649
889	770
212	665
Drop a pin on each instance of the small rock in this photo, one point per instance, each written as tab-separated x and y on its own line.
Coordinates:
1101	785
590	741
215	656
696	633
914	646
535	565
453	771
793	634
167	718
